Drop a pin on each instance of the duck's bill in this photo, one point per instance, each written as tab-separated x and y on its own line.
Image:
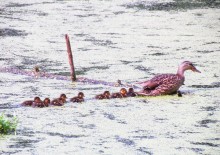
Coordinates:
195	70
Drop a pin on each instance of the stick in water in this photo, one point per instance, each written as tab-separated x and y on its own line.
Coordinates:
70	56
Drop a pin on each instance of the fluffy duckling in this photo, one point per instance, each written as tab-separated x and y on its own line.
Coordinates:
78	98
59	101
121	94
30	102
105	95
36	71
42	104
131	93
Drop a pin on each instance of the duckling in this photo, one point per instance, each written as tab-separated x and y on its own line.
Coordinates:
78	98
131	93
121	94
42	104
166	84
59	101
105	95
37	102
46	102
118	83
30	102
36	71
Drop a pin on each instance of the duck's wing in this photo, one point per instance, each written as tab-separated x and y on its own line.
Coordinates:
155	81
165	84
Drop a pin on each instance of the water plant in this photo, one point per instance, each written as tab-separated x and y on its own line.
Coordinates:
7	125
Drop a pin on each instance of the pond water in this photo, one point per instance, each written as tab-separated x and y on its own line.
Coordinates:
127	40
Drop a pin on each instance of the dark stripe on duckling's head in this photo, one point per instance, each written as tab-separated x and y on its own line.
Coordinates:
106	93
37	99
63	96
80	94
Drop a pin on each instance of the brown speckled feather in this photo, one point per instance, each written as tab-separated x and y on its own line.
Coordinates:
163	84
166	84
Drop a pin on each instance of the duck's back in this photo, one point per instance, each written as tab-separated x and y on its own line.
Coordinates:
164	78
163	84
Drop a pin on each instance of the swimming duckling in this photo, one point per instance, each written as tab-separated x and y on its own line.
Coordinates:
78	98
105	95
30	102
121	94
131	93
36	71
42	104
59	101
37	102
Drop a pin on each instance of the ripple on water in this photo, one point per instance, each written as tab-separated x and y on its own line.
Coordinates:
210	43
206	144
112	117
10	5
12	32
23	143
10	152
157	54
64	135
197	150
205	51
88	126
18	5
142	68
204	123
125	140
168	6
109	116
144	137
145	150
25	132
99	42
130	62
212	85
209	108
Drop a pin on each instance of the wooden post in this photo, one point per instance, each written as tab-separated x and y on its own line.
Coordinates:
70	56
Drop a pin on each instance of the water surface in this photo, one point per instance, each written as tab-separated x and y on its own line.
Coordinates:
127	40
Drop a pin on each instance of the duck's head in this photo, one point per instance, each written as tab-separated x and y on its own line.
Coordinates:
123	91
37	99
63	97
36	69
187	65
46	101
106	93
80	94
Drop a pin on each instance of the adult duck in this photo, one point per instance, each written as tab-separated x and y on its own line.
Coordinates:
166	84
